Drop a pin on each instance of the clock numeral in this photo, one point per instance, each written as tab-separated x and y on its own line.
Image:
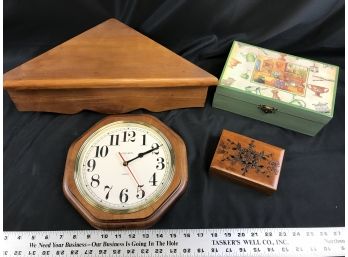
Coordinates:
107	194
123	195
129	136
140	192
95	181
144	139
155	145
91	165
114	139
153	180
160	165
101	151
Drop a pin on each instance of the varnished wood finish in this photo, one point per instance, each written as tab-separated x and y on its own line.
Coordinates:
108	100
140	219
248	161
108	56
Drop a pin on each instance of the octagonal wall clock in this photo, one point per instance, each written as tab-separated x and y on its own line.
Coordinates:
125	172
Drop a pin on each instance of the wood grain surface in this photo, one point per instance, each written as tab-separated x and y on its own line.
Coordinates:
248	161
109	56
108	100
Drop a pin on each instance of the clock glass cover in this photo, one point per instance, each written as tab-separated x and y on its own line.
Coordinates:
123	167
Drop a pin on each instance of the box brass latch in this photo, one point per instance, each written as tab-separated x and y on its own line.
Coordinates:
267	109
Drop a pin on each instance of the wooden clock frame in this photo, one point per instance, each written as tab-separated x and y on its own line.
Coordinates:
143	218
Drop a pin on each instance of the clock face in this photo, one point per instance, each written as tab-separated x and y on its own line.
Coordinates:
124	167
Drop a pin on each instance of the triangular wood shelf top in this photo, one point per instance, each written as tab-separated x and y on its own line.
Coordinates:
110	68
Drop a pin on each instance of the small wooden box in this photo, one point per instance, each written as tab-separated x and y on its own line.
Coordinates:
248	161
277	88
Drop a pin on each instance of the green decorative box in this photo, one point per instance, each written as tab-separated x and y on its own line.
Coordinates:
281	89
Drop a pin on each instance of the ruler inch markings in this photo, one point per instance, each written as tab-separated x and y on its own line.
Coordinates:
326	241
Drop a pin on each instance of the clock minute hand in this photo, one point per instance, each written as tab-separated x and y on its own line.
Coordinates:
140	155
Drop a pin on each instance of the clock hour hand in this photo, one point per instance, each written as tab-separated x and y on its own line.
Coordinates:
140	155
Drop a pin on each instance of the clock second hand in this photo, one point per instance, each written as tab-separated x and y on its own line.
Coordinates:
129	169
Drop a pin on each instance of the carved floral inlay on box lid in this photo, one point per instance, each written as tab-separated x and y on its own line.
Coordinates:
248	159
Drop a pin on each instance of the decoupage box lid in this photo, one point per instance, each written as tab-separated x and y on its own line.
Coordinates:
300	86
